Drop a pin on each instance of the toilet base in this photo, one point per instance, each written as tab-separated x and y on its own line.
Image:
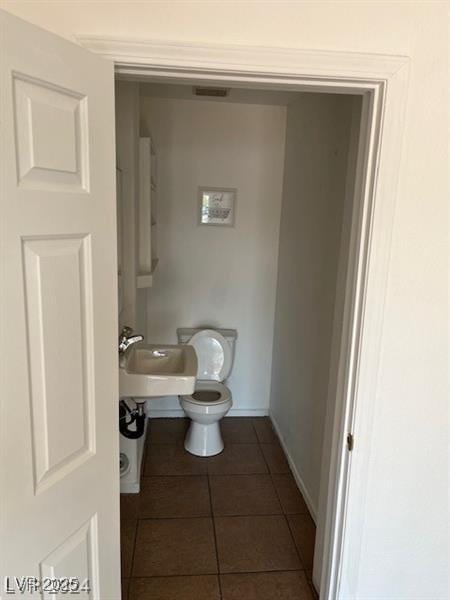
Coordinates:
204	440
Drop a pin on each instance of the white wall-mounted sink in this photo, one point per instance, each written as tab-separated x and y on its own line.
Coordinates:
149	370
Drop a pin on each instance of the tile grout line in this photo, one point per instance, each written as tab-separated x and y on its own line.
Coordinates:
293	541
133	554
206	516
144	459
193	575
145	448
277	494
256	434
267	472
127	589
234	443
215	538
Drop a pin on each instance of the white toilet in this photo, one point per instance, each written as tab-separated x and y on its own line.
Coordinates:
211	399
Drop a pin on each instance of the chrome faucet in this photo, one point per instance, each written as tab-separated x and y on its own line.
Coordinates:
127	339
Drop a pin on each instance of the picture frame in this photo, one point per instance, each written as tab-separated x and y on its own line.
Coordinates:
217	206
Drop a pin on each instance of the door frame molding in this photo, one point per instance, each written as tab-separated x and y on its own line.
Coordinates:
382	80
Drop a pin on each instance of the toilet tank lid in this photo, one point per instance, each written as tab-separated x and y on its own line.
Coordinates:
185	333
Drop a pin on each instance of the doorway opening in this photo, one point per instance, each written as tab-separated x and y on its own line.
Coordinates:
61	271
277	274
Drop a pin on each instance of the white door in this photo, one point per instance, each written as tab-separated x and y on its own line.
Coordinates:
59	473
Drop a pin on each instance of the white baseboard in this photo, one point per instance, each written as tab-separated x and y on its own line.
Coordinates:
173	413
299	481
165	413
248	412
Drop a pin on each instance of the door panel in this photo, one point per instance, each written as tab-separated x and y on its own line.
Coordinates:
78	550
58	280
51	135
60	350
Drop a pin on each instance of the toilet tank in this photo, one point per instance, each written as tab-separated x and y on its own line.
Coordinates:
185	333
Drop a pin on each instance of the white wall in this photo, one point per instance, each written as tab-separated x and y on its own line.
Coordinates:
218	276
317	138
404	549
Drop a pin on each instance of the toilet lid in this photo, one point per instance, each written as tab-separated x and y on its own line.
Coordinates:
213	355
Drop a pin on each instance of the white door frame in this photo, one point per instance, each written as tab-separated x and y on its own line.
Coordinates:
382	80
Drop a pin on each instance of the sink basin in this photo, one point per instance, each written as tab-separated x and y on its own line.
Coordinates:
150	370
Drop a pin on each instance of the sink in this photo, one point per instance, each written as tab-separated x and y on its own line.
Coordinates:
149	370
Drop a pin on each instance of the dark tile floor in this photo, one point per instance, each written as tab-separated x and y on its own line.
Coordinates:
228	527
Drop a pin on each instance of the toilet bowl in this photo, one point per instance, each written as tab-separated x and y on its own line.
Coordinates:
211	399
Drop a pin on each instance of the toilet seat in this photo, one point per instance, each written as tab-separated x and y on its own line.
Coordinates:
204	390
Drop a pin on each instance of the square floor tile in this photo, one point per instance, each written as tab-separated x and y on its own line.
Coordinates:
264	430
171	459
290	497
237	430
286	585
127	538
238	459
249	544
196	587
167	431
276	460
174	497
234	495
174	547
304	534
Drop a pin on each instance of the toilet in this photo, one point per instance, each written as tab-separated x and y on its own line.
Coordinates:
211	399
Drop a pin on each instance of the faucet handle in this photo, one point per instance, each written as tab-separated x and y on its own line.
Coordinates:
126	331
